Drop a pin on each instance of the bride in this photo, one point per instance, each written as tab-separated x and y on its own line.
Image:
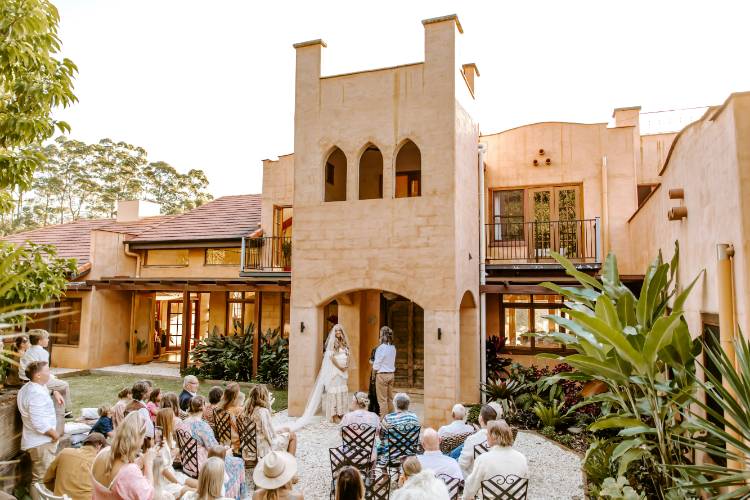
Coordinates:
331	385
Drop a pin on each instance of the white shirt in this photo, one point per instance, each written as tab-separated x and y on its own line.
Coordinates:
498	460
385	359
33	353
37	413
147	418
466	460
440	464
455	427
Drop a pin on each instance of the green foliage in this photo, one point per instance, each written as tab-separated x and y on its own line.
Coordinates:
597	464
504	390
550	415
273	367
642	351
33	81
618	489
497	365
32	275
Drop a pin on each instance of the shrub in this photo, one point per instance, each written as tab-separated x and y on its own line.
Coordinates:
224	357
273	367
549	416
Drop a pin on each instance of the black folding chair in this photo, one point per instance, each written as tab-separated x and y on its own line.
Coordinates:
341	457
223	427
403	442
188	453
455	485
359	436
377	485
453	441
510	487
248	441
480	449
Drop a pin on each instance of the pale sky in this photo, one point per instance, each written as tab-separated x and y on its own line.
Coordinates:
210	84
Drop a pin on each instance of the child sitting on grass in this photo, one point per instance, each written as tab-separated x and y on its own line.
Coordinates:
104	424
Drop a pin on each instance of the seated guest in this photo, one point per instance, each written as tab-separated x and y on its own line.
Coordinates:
39	340
19	348
169	451
169	400
273	477
121	471
214	396
210	482
466	459
349	485
418	484
268	438
104	424
458	426
69	473
204	435
359	413
500	459
124	397
400	416
433	459
165	489
153	404
230	403
39	435
189	391
140	392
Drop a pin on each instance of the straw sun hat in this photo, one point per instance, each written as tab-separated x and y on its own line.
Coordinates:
275	470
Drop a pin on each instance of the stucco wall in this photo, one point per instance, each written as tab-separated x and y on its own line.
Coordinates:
196	267
654	150
278	188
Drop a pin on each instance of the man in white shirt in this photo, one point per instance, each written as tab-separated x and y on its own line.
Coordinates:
458	426
384	366
434	459
501	459
39	340
39	437
466	459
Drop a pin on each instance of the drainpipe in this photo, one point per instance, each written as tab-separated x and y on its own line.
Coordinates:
482	273
137	259
604	228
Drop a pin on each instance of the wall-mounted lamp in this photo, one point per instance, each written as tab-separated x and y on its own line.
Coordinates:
301	326
440	334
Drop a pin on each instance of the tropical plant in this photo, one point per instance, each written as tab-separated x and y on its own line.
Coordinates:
550	415
286	253
225	357
642	351
506	390
618	489
273	367
597	463
497	365
726	427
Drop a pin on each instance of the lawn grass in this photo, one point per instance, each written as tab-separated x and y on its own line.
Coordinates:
94	389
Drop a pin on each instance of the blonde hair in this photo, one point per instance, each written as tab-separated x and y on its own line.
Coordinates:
165	420
500	432
211	479
127	441
158	470
229	396
258	398
411	466
104	410
361	399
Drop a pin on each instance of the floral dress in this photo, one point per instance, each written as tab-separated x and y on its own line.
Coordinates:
234	467
266	437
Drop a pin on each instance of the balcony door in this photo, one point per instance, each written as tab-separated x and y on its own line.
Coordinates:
553	212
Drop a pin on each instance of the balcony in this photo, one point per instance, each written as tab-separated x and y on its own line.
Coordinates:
266	255
530	244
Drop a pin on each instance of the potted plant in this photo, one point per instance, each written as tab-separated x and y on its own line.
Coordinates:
286	254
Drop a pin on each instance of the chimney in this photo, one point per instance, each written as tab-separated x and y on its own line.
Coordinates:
133	210
470	71
627	117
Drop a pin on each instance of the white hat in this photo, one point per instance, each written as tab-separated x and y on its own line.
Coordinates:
275	470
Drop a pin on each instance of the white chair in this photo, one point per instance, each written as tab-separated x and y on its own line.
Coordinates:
46	494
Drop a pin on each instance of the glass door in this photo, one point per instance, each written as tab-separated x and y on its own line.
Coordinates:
554	214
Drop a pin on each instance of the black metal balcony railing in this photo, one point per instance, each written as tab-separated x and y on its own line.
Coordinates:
267	254
534	242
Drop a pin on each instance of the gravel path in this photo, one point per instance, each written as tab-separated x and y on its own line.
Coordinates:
555	472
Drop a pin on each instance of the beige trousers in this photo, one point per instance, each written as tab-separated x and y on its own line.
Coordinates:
61	386
41	458
384	390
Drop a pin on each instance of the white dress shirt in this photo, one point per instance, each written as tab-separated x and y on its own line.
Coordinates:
498	460
385	359
37	413
146	416
454	428
440	464
33	353
466	459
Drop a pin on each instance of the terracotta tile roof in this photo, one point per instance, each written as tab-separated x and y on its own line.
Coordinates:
136	227
225	218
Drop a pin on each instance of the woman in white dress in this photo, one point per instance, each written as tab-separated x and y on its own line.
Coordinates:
336	395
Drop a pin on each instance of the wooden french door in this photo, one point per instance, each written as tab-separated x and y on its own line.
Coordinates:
142	333
553	213
175	328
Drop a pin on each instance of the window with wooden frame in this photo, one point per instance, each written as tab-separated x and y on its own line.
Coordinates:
167	257
223	256
522	320
240	312
63	324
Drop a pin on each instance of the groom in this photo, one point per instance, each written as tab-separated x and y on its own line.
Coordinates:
384	366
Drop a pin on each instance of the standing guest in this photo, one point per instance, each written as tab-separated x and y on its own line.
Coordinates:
39	436
230	403
268	439
501	459
401	416
384	366
69	473
466	459
120	471
189	391
214	396
210	482
419	484
140	392
433	459
458	426
204	435
39	340
349	485
104	424
124	397
273	477
153	404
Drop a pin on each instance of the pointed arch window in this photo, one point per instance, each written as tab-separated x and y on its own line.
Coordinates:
371	174
408	171
335	176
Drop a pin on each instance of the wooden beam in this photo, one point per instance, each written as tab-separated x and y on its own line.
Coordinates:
185	328
258	329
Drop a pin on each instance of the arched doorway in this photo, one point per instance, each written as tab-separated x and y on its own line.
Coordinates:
469	345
